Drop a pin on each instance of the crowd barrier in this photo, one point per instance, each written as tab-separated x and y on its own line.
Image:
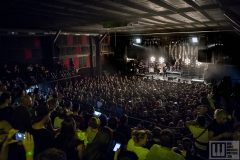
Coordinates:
133	122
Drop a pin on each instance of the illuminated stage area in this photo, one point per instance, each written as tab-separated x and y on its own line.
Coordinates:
172	77
162	68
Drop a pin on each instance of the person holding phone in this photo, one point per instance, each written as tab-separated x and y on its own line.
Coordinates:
12	137
137	143
117	136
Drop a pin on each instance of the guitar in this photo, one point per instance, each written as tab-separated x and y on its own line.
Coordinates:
165	69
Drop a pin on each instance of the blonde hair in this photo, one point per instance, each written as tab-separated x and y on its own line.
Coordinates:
137	135
219	112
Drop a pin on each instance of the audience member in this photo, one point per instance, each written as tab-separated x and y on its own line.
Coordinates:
21	93
53	104
103	119
92	130
123	128
137	143
99	148
127	155
58	120
21	118
117	136
77	118
5	109
89	115
68	107
218	129
164	150
52	154
68	141
155	139
187	149
43	138
200	135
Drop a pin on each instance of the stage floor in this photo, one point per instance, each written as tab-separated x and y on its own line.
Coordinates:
172	77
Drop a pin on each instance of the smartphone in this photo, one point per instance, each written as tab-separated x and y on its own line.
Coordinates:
19	136
116	147
96	113
129	101
175	103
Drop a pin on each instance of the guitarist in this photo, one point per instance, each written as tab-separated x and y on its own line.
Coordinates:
159	67
165	68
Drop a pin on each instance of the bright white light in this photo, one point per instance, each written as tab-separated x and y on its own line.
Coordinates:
129	59
161	60
187	61
138	40
198	63
194	39
152	59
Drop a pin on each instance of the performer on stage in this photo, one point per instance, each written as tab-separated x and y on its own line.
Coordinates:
140	67
159	67
176	66
165	68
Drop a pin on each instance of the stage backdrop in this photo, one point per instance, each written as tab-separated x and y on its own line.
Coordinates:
182	52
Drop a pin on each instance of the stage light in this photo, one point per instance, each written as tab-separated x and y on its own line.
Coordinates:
161	60
152	59
187	61
194	39
198	63
138	40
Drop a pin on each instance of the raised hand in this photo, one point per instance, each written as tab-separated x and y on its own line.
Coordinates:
28	143
116	154
10	135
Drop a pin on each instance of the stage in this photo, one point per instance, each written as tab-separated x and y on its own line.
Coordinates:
172	77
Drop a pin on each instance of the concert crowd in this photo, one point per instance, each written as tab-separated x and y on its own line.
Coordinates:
116	118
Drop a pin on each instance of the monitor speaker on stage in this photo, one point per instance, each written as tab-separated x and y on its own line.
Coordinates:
205	55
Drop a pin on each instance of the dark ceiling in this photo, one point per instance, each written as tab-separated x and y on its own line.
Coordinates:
121	16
